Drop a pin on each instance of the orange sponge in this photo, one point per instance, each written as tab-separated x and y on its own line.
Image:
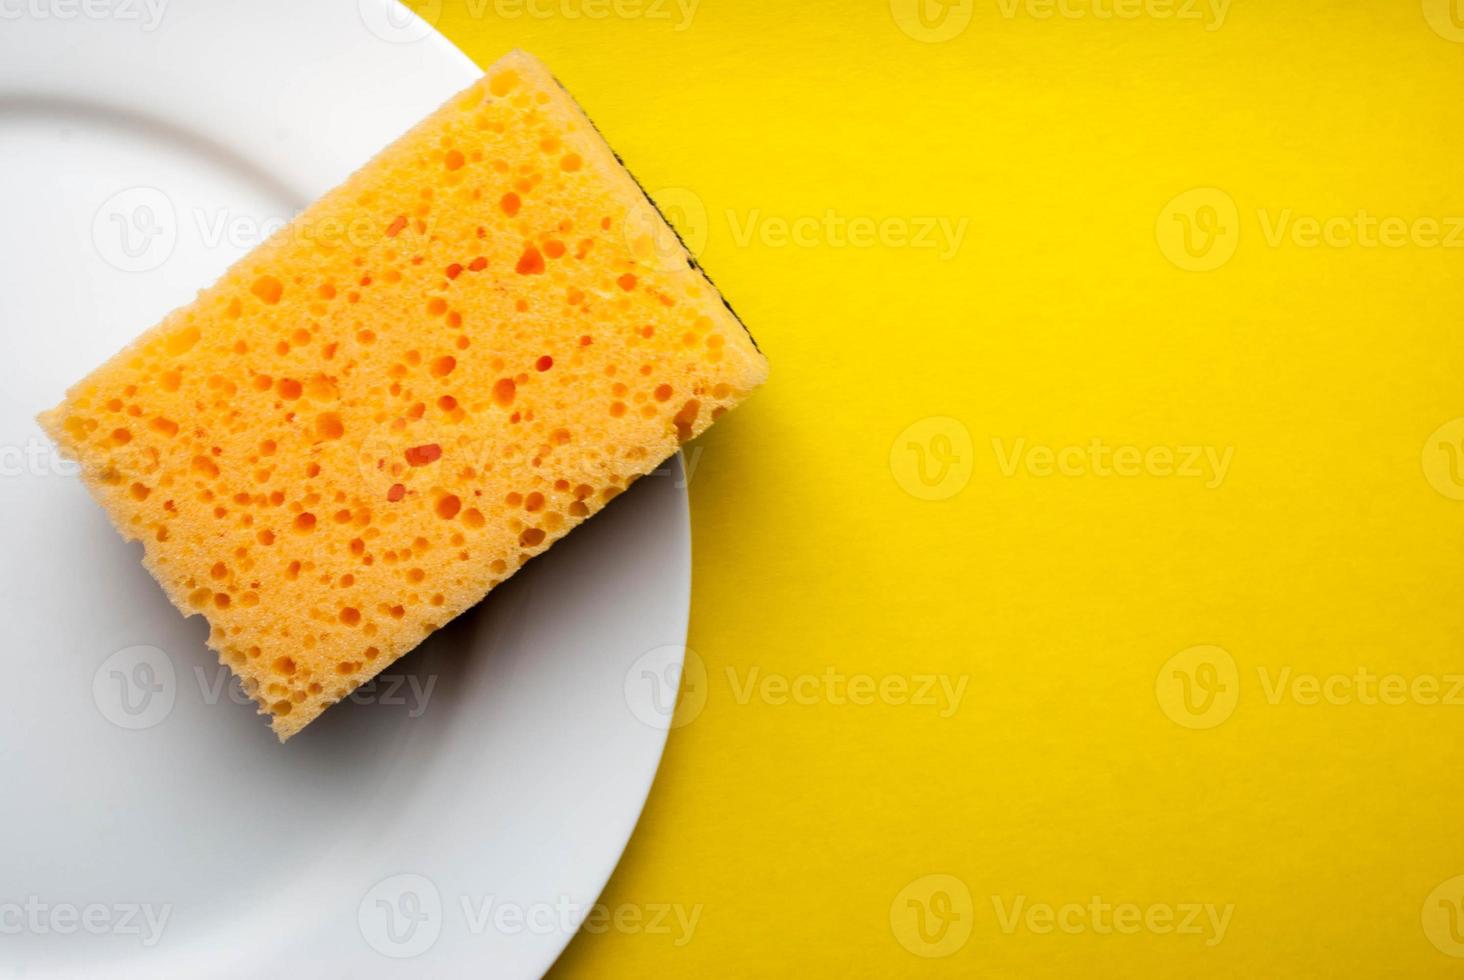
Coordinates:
430	376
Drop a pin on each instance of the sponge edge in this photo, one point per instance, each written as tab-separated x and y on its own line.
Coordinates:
431	375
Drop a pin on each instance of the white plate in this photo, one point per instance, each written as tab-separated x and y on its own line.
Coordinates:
145	145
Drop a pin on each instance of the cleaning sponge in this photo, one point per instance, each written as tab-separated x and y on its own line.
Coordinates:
430	376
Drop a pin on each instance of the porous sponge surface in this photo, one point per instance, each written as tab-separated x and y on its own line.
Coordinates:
430	376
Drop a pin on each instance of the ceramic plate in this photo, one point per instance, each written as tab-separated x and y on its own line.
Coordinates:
463	814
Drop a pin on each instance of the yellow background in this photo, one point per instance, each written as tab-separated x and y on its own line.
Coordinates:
1068	313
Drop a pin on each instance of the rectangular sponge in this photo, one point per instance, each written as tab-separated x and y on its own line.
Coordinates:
430	376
